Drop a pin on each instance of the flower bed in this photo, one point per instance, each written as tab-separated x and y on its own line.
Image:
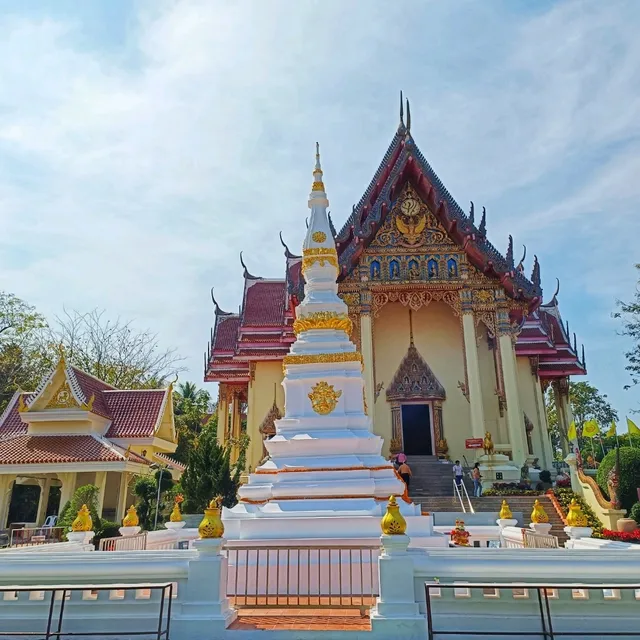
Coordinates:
622	536
511	489
563	498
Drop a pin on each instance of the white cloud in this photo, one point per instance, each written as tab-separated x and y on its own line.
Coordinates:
130	179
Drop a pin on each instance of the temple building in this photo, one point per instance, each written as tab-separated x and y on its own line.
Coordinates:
456	340
74	430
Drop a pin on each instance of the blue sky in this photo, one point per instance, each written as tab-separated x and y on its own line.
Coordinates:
143	145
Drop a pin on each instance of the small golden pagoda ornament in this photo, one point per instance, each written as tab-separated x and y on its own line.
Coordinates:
539	515
83	520
175	516
505	511
575	517
211	525
392	523
131	519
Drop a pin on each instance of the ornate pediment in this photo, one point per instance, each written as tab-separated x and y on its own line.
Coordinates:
268	426
410	226
414	380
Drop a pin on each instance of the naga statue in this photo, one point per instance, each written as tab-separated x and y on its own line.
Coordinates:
613	482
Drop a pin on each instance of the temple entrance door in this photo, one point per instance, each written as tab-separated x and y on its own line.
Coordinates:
416	430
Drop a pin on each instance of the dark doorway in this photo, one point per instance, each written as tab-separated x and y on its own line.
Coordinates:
416	429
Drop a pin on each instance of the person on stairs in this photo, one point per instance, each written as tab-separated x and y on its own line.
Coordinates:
477	480
405	473
457	472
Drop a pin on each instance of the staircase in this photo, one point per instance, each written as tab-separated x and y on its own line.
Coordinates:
432	477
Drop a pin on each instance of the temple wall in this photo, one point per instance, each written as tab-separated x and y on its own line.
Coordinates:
267	374
438	338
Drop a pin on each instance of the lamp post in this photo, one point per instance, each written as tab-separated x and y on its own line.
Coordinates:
157	466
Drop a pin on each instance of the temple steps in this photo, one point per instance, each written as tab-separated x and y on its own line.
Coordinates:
430	476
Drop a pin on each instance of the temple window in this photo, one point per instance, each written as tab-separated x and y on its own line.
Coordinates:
432	268
452	268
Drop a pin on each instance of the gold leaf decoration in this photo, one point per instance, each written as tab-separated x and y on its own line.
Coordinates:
318	236
324	398
323	320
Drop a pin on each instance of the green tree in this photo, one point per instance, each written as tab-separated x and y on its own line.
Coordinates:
587	403
629	475
192	410
21	361
210	473
145	488
87	494
629	313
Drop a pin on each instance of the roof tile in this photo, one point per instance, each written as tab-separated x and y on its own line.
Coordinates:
264	304
134	414
226	333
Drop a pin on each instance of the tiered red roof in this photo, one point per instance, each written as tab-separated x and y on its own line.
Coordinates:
132	415
270	304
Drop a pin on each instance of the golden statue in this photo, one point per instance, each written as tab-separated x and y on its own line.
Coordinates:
324	398
392	523
487	444
539	515
575	517
505	511
410	221
414	271
211	525
131	519
175	516
83	521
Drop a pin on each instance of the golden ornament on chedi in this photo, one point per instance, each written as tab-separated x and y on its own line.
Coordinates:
323	320
505	511
318	236
211	525
324	398
83	521
575	517
175	516
539	515
131	519
392	523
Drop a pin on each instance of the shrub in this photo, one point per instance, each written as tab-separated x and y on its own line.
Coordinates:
635	512
87	494
545	476
564	497
145	489
107	530
629	475
622	536
510	489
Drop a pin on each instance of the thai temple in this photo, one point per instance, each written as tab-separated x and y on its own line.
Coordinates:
455	339
74	430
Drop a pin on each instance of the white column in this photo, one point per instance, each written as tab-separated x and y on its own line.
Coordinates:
45	486
68	481
122	496
6	489
545	438
515	417
473	375
101	483
366	346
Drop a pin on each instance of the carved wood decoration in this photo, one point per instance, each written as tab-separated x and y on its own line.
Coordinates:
414	380
268	426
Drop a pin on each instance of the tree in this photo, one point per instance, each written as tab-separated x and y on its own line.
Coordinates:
587	403
210	473
629	475
112	350
193	410
21	361
145	488
629	313
87	494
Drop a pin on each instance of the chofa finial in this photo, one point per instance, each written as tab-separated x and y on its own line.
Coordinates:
401	111
472	214
408	117
246	271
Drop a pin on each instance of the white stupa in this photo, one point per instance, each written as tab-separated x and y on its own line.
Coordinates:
325	475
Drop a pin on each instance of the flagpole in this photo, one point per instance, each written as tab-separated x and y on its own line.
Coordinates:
602	445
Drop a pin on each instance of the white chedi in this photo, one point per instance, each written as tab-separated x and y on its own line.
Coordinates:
324	460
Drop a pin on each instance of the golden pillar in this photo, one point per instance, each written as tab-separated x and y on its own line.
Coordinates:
236	419
476	405
563	411
366	346
223	413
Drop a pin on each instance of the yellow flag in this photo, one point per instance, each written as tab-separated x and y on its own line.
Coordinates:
572	434
633	428
612	431
590	429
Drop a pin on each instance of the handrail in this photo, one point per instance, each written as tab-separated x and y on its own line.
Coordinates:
457	490
466	493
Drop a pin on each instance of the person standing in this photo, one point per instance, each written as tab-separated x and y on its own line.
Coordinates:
457	472
405	473
477	480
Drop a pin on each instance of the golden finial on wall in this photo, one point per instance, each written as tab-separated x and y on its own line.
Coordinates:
392	523
131	519
539	515
83	521
575	517
505	511
211	525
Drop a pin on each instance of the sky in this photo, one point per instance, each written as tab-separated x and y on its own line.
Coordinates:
143	145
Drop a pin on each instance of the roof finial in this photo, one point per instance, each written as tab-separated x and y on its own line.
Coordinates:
509	256
401	111
535	274
410	327
472	214
317	172
555	295
246	271
575	343
520	266
287	252
408	117
584	362
483	222
218	310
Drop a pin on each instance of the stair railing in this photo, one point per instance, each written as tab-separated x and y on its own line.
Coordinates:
466	493
456	488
